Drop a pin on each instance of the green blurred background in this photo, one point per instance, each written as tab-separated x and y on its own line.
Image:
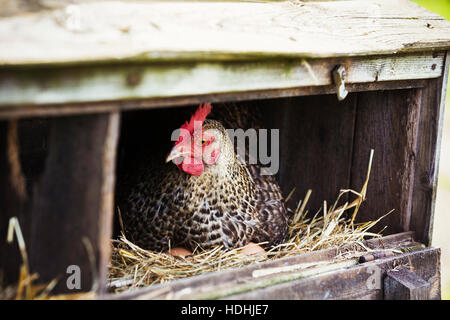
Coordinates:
441	234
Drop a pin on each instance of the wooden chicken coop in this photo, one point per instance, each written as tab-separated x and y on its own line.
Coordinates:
338	78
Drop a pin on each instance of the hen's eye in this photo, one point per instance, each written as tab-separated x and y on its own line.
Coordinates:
203	142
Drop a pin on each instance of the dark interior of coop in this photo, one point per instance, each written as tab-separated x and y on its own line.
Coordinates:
324	146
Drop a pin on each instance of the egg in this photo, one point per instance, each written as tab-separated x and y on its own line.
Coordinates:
179	252
251	249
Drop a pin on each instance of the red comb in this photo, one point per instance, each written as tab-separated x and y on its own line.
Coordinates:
200	115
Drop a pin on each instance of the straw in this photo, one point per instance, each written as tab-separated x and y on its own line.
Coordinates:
132	267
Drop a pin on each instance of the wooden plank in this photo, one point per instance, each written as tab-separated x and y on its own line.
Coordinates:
364	281
320	126
72	205
25	86
228	280
8	112
427	164
155	31
13	200
402	284
388	123
22	159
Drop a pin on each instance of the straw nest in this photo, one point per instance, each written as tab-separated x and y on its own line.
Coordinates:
28	286
132	266
331	226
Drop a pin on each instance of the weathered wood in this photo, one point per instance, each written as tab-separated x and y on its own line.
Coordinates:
402	284
72	203
23	86
228	281
143	31
388	123
428	151
8	112
13	200
320	126
11	7
364	281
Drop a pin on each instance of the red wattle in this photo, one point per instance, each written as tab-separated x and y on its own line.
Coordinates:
193	168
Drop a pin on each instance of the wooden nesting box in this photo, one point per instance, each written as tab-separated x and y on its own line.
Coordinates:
68	75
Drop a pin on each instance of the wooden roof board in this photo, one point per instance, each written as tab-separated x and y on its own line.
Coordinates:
111	31
27	86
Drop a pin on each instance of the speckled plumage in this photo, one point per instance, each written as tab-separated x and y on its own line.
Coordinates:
229	204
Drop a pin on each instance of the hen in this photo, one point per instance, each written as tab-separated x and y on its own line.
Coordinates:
208	196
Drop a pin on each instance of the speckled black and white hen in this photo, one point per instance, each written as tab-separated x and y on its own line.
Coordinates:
205	196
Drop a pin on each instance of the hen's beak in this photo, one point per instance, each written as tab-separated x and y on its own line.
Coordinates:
175	153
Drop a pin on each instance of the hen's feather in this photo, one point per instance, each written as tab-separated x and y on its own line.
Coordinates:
164	206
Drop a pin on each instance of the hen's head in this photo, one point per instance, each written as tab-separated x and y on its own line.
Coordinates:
202	144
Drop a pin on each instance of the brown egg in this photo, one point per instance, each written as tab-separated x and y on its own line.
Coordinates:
179	252
252	248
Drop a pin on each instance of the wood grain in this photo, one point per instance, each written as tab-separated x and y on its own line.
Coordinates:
72	203
402	284
153	31
387	121
320	127
95	83
363	281
427	164
29	111
13	200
